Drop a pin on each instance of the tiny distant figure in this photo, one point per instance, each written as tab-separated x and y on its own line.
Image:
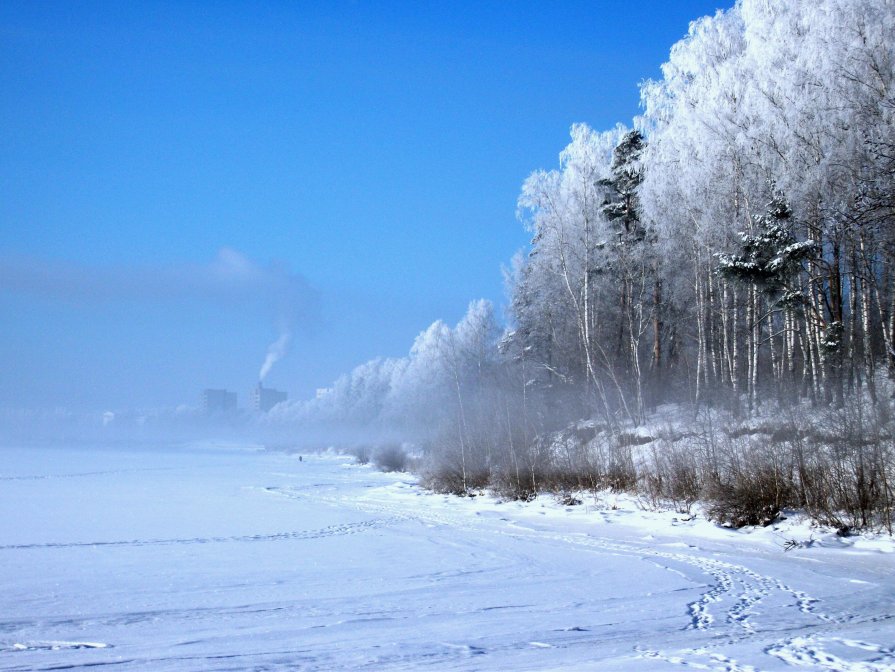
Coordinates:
299	458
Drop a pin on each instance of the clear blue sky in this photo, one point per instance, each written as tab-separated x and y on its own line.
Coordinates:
368	155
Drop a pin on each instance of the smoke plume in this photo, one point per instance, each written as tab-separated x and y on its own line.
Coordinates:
275	352
230	279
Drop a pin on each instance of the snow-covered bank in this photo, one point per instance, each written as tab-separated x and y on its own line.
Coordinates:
227	559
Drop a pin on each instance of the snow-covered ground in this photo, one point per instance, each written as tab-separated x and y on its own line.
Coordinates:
216	558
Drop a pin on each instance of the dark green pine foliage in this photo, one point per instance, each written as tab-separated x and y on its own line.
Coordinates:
770	256
621	205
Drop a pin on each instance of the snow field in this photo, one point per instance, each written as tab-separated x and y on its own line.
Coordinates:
184	559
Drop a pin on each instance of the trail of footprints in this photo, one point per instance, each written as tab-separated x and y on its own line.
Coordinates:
726	576
812	651
740	587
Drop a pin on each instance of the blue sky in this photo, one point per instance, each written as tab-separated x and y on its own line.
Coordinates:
367	156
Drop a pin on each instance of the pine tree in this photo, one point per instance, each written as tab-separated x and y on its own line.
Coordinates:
622	204
770	257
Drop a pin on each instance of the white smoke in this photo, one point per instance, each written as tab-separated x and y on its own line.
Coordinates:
230	279
275	352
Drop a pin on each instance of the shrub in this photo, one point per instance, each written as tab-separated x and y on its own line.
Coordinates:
361	454
390	457
671	475
510	486
448	477
751	496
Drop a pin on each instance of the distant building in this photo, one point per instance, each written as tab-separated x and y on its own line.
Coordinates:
265	398
218	401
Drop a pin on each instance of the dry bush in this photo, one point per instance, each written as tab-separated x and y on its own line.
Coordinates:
847	470
602	461
390	457
443	479
620	473
509	487
754	482
446	474
747	498
836	464
672	475
518	473
361	453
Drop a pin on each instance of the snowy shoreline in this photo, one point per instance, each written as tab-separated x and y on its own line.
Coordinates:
234	559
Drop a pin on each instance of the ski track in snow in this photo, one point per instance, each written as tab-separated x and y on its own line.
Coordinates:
330	531
83	474
728	608
732	610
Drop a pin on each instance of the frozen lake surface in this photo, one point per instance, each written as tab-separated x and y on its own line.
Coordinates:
216	558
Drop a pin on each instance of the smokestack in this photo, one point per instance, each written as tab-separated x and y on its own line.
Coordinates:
265	398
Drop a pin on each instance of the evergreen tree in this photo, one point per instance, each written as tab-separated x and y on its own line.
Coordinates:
770	257
622	204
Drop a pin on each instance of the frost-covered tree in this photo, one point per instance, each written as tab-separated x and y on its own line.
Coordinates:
672	244
798	93
567	279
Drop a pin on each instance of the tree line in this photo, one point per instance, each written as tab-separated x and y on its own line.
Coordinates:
733	249
740	239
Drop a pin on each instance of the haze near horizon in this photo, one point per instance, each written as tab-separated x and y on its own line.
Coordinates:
184	187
